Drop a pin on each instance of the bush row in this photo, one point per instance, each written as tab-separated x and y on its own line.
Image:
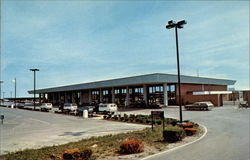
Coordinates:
143	119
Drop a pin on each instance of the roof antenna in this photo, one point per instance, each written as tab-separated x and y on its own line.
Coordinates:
197	71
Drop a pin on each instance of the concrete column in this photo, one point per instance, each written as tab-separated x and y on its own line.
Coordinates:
81	99
90	97
44	98
71	97
65	98
40	98
59	98
145	92
53	98
127	103
101	96
113	95
165	92
202	87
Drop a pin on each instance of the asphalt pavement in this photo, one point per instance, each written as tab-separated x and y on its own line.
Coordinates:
33	129
227	137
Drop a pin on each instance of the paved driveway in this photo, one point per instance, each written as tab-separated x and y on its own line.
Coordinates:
227	137
31	129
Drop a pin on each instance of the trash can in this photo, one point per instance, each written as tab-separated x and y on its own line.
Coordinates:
85	114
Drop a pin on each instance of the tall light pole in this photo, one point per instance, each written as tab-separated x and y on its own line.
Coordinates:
172	24
34	70
14	81
1	92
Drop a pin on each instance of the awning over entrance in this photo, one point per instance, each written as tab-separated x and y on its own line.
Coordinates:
211	92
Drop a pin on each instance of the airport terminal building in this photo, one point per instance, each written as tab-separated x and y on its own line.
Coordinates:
149	89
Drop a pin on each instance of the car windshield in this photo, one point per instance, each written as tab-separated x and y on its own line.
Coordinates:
67	104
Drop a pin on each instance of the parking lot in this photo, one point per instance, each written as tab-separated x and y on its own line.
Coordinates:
32	129
228	130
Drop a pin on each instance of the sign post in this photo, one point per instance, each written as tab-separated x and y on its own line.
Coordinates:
2	117
157	115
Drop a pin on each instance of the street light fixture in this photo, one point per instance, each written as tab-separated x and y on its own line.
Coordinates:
34	101
172	24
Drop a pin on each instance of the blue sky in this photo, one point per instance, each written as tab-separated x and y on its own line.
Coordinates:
82	41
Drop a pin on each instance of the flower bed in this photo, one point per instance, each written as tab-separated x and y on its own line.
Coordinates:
186	125
190	131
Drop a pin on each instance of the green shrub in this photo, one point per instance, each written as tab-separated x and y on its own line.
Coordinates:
115	117
131	120
159	122
173	134
148	121
125	116
132	116
142	121
137	120
109	116
153	121
171	121
131	146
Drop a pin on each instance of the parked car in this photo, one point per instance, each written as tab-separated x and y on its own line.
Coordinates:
70	107
46	106
20	105
107	108
199	106
243	104
90	109
56	109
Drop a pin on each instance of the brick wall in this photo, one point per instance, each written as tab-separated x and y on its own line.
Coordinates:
214	98
185	88
246	96
217	100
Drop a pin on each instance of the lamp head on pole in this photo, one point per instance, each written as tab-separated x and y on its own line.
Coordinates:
181	23
172	24
35	69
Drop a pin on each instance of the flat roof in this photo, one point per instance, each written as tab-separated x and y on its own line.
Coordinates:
154	78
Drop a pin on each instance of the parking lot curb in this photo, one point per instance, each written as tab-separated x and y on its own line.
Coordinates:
176	148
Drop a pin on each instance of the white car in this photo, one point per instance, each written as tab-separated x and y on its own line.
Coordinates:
209	104
46	106
70	106
107	107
